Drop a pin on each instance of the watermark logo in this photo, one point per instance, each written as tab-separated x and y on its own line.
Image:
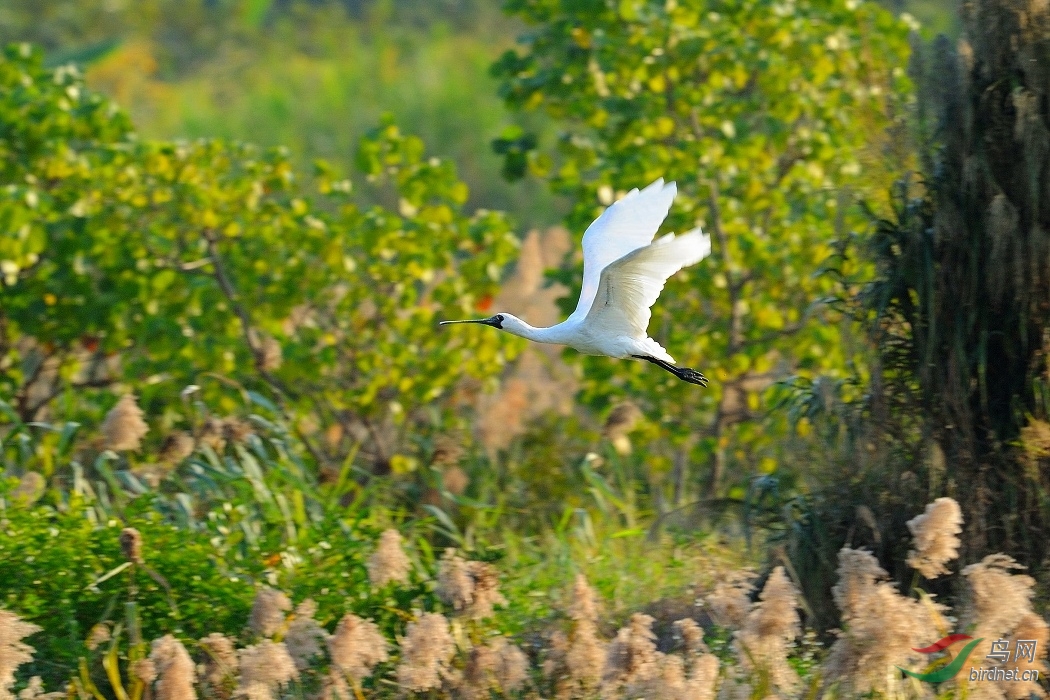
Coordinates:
1024	649
952	669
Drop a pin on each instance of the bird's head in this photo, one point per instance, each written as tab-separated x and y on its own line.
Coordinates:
502	321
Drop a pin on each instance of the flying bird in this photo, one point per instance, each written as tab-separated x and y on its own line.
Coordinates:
624	271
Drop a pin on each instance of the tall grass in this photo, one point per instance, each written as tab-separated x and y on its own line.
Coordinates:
248	511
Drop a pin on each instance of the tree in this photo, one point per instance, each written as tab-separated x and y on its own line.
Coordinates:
961	300
768	115
158	265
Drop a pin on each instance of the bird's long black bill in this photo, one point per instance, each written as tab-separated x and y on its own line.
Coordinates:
483	321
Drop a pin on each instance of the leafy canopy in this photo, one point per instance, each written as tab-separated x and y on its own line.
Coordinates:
764	113
160	264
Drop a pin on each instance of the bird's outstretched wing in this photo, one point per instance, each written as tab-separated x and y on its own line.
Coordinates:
626	225
632	284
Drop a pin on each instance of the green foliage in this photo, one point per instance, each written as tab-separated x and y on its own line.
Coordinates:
174	262
220	524
318	83
311	76
53	559
762	112
190	32
278	299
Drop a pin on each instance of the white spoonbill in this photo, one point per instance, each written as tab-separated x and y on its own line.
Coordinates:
624	271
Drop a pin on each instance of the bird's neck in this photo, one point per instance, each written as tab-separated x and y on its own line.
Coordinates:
553	334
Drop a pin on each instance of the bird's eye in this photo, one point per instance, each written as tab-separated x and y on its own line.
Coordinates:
499	317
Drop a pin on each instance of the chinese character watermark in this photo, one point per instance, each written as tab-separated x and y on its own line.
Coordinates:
1024	651
1000	651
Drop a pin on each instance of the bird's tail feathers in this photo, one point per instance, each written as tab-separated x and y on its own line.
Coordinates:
654	349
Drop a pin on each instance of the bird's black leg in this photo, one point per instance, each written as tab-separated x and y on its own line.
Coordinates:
684	373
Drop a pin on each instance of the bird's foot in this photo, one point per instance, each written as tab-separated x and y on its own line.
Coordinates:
687	374
684	373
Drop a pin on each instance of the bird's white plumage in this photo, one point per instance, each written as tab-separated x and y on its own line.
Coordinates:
625	226
630	286
624	271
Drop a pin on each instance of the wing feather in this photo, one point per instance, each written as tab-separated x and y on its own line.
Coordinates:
627	225
631	285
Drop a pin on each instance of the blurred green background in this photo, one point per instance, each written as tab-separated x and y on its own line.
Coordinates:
315	75
309	75
393	424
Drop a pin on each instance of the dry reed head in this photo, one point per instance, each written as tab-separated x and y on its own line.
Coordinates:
265	667
304	636
236	431
858	571
936	533
447	452
730	601
496	666
389	564
177	446
211	434
584	604
334	687
670	681
770	627
622	419
426	651
575	662
882	628
35	691
585	657
144	670
124	428
632	655
470	587
267	617
220	664
99	634
553	665
357	646
174	667
636	669
270	353
776	612
1031	628
131	545
486	591
997	599
703	677
691	636
455	480
13	651
455	586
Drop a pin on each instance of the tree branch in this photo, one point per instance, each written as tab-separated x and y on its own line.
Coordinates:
734	286
222	278
25	412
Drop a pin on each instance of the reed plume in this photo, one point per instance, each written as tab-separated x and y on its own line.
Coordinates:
936	537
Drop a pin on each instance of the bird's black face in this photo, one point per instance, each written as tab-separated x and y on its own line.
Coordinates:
494	321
